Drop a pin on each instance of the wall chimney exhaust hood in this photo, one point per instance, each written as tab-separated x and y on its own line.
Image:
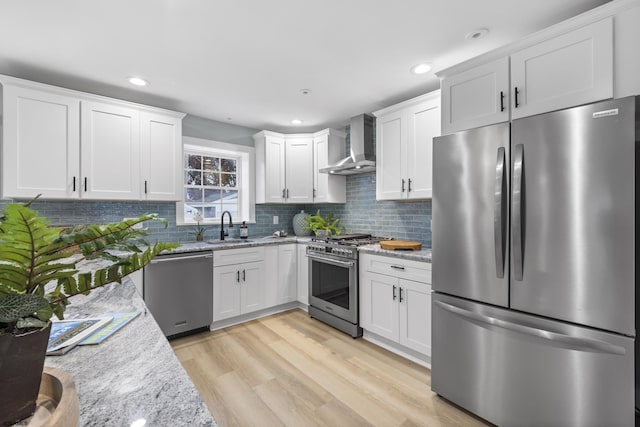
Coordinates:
363	157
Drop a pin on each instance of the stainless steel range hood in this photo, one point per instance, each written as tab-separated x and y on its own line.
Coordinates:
363	156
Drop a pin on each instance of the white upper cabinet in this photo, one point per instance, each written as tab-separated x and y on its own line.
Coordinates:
161	151
110	155
299	169
561	71
328	148
573	69
404	144
41	144
476	97
65	144
287	167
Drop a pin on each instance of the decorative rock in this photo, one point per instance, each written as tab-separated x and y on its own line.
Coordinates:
299	223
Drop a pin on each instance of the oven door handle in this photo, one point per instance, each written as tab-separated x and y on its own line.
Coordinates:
332	261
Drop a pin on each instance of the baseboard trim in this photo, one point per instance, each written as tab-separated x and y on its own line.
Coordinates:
400	350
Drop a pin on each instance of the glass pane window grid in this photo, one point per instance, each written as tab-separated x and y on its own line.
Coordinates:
210	186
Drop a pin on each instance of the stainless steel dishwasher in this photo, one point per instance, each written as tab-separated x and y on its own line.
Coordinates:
178	290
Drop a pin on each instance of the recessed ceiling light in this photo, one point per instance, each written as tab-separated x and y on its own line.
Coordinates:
421	68
305	91
477	34
138	81
296	122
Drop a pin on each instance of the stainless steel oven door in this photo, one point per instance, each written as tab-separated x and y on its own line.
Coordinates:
333	286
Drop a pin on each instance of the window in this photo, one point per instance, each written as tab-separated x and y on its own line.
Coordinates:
217	178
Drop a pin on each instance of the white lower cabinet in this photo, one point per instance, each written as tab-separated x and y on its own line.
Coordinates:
303	274
280	275
238	287
395	300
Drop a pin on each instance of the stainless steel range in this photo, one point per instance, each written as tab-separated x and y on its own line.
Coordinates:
333	280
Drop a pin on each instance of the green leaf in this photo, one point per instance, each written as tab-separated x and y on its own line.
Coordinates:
15	307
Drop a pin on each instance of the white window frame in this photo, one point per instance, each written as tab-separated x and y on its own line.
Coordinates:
245	177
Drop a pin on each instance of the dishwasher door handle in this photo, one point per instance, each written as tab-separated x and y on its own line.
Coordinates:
158	260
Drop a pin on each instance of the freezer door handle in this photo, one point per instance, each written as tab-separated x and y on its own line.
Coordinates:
499	213
518	199
560	340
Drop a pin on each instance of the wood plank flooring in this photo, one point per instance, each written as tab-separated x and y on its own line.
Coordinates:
290	370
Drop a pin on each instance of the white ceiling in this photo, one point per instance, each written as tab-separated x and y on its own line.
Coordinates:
245	61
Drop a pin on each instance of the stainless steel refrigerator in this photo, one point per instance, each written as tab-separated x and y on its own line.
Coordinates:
534	226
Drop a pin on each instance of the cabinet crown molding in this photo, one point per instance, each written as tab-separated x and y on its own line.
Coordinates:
607	10
83	96
328	131
431	96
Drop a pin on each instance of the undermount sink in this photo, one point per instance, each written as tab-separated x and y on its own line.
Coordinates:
225	241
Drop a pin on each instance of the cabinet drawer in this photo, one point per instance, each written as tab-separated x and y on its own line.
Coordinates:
237	256
397	267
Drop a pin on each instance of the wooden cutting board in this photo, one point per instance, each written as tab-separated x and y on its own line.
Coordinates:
394	245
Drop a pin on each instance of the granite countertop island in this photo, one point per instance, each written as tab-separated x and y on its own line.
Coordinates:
132	375
421	255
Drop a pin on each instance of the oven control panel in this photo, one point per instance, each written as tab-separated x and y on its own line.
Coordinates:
348	252
333	250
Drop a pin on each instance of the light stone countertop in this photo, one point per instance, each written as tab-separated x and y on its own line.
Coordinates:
422	255
134	374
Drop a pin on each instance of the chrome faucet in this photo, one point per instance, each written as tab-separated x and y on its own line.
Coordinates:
222	232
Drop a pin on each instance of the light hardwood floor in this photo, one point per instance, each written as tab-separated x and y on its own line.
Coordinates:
290	370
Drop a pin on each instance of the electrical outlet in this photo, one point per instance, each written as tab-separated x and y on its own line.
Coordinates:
135	227
275	219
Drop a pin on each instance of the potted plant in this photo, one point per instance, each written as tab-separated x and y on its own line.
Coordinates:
197	217
38	274
322	226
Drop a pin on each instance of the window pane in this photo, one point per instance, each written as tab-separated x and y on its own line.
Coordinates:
190	210
211	163
212	195
212	178
230	202
228	180
193	161
228	165
212	211
193	195
193	178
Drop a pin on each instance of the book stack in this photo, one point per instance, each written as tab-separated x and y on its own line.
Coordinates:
67	334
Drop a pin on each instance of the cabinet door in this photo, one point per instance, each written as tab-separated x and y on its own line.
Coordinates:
41	147
423	124
476	97
328	188
287	289
415	315
110	155
274	170
391	134
379	304
226	292
303	275
299	170
573	69
161	151
252	287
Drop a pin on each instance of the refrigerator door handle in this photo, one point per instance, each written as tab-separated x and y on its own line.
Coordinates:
499	213
563	340
517	198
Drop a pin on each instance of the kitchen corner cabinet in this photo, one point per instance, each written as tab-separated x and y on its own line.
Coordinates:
404	141
238	282
287	167
65	144
328	148
395	300
570	69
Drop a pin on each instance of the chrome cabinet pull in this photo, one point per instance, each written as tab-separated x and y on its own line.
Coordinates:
517	198
394	292
499	213
402	185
